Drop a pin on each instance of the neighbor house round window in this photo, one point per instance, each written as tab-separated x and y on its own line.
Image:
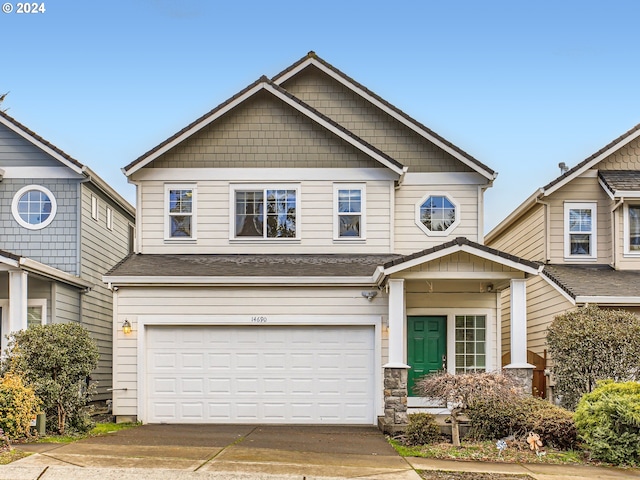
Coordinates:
34	207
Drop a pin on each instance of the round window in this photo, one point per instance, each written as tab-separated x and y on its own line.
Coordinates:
34	207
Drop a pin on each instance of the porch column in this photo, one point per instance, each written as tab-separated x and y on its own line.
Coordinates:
17	300
519	368
395	372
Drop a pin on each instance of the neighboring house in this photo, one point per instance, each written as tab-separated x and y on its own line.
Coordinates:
61	229
300	248
584	227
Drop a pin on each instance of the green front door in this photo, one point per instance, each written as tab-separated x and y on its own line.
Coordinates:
426	347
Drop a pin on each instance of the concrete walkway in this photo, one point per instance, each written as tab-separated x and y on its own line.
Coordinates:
239	452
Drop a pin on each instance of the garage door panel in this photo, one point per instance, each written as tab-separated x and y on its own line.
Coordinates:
270	374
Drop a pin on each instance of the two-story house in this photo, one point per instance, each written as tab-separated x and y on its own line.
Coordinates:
584	226
61	228
305	251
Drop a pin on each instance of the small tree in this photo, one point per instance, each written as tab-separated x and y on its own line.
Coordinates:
591	344
462	390
56	360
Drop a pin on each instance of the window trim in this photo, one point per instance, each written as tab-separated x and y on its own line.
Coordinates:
626	222
363	211
16	213
38	302
466	369
109	218
95	208
167	213
590	205
233	188
452	227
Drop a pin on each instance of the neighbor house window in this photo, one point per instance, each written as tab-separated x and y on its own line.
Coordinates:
94	207
109	219
36	313
349	218
437	214
34	207
632	229
471	333
180	220
580	230
267	213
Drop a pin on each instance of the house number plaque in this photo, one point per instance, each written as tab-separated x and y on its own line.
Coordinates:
258	319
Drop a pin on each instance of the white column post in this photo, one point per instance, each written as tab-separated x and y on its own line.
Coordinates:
396	324
17	300
519	324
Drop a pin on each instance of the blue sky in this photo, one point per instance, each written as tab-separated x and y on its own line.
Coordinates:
519	85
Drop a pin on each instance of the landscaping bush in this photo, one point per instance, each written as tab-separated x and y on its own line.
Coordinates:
591	344
422	430
18	406
608	420
56	360
517	416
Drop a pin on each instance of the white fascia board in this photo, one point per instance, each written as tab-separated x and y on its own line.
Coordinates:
513	216
553	284
10	262
420	260
264	174
618	194
501	260
606	300
444	178
53	273
40	172
246	281
45	148
416	128
108	190
462	275
230	106
593	162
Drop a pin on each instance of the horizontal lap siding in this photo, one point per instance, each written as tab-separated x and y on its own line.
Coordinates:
526	237
316	221
205	301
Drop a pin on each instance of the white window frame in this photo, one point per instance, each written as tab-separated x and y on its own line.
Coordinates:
95	208
264	187
593	206
15	210
109	218
42	304
465	369
626	222
167	213
336	213
436	233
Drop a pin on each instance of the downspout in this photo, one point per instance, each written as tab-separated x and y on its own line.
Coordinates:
614	249
547	228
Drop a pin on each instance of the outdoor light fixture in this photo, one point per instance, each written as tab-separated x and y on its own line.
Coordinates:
126	327
370	294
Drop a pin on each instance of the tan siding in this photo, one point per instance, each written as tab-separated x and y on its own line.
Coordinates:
371	124
626	158
526	237
133	302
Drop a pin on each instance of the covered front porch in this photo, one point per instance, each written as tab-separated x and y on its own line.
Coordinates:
444	311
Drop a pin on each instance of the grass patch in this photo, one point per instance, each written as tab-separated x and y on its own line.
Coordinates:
12	455
100	429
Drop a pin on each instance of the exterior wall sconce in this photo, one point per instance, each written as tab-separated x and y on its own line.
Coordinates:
126	327
370	295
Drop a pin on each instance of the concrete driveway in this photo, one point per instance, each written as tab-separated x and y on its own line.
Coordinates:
222	451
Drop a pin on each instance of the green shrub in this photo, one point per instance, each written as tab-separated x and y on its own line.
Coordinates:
608	420
56	361
422	430
18	406
516	416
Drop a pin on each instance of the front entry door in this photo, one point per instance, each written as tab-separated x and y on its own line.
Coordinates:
426	347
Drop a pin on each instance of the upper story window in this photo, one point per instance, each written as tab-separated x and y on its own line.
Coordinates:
632	229
580	230
265	212
109	218
34	207
437	214
349	216
94	207
180	208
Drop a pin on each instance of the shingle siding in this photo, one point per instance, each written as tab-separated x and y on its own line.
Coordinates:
15	151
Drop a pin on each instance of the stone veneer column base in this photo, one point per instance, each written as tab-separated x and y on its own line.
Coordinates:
395	419
522	375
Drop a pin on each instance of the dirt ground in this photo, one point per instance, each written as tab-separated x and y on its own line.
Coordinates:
437	475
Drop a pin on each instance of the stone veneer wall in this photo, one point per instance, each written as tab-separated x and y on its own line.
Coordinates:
395	401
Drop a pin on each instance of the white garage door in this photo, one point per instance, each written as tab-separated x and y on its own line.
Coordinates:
260	374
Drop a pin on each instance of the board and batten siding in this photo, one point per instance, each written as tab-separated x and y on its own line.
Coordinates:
526	237
218	302
101	250
315	221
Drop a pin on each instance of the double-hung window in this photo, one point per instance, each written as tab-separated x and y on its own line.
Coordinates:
180	212
632	229
580	230
349	212
265	212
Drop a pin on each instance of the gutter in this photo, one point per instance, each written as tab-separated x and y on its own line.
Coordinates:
108	190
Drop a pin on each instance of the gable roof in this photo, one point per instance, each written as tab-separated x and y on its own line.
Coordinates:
465	245
599	284
620	183
65	159
312	59
565	178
